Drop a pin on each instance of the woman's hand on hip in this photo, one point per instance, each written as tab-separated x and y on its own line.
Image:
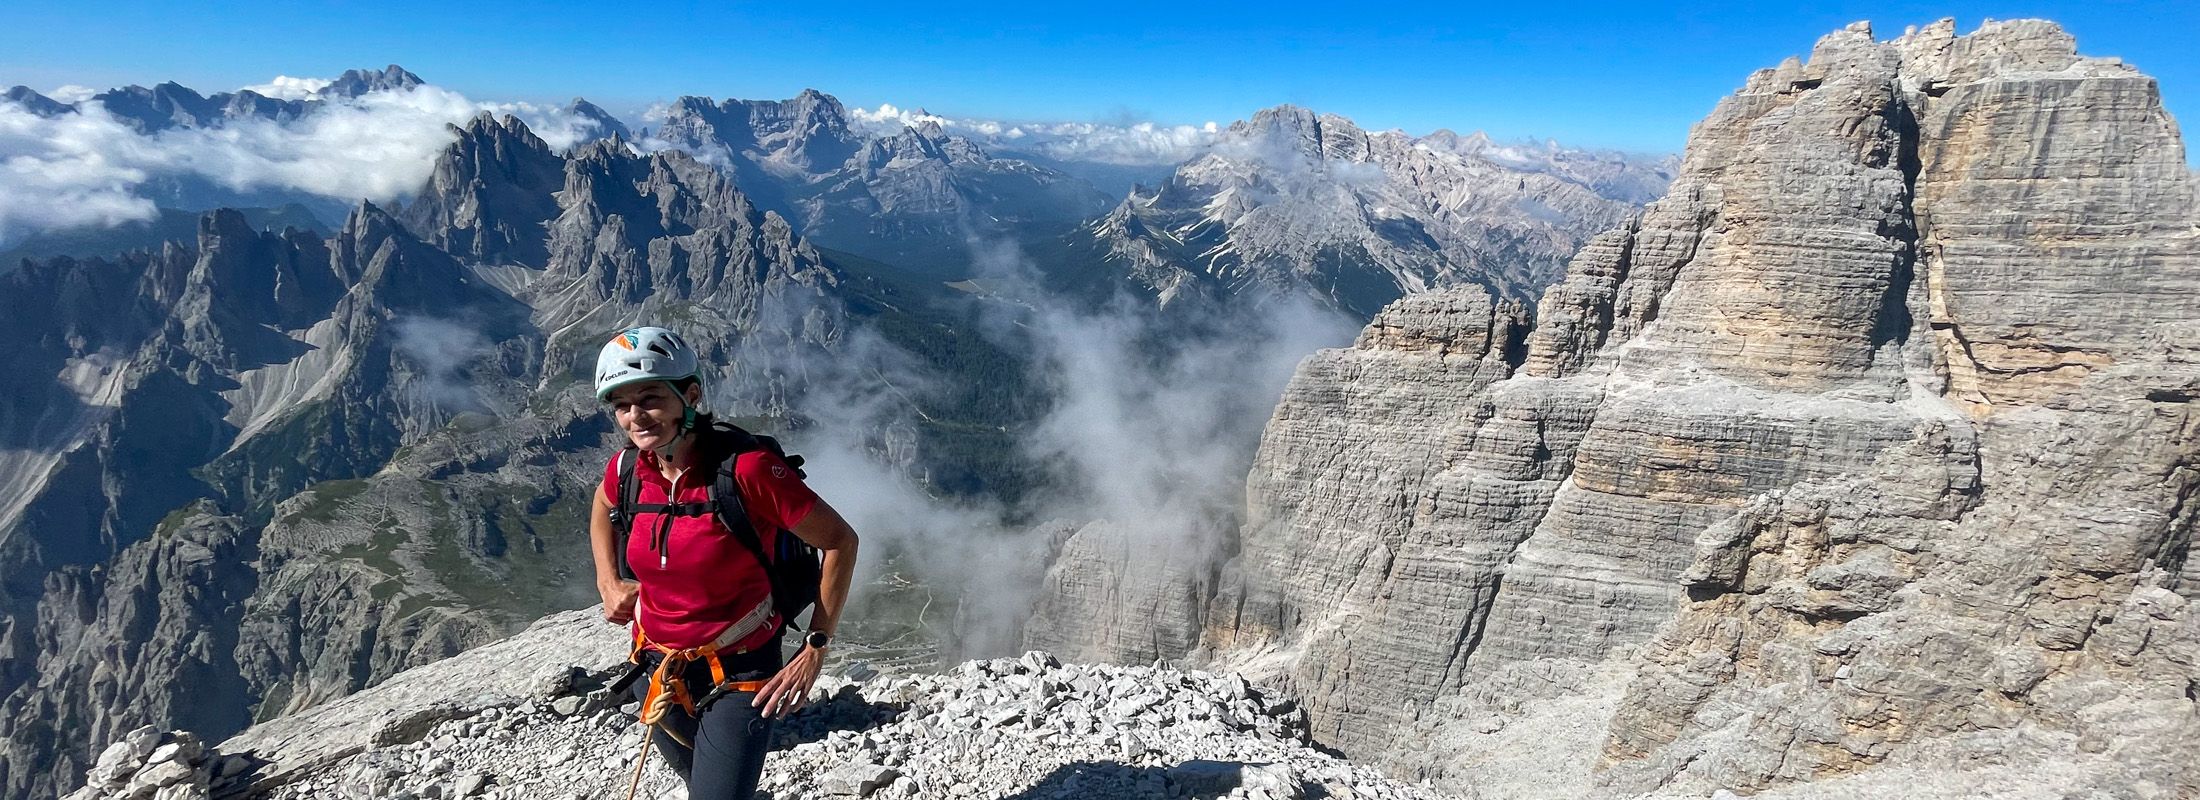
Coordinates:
789	690
618	599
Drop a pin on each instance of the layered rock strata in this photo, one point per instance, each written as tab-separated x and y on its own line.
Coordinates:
1109	594
1869	444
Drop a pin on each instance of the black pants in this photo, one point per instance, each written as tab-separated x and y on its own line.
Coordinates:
730	738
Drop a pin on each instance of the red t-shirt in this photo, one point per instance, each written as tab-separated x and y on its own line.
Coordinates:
706	579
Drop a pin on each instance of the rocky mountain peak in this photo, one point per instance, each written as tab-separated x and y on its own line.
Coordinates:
34	102
166	105
393	268
244	278
1298	201
171	105
356	82
530	715
667	227
607	126
923	141
1285	115
815	106
807	133
911	196
1470	144
1295	130
368	224
811	130
490	194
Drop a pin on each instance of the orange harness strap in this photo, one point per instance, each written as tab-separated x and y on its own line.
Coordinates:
666	686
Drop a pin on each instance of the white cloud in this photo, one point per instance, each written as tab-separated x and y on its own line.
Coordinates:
553	124
1149	428
442	353
72	93
86	169
63	173
888	118
1142	143
284	87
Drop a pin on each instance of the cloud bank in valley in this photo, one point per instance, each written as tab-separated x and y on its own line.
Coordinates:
90	169
284	87
87	168
1138	143
1150	425
442	354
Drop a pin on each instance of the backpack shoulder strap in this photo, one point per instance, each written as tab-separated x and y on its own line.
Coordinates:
622	514
725	493
733	513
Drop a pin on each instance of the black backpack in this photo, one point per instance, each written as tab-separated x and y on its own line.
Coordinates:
793	566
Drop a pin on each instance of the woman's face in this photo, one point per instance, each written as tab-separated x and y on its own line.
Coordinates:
649	412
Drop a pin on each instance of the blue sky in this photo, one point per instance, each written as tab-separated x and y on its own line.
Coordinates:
1632	75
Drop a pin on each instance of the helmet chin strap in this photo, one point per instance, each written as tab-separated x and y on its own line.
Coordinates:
687	423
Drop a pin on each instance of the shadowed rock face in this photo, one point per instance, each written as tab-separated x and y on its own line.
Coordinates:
490	194
1869	443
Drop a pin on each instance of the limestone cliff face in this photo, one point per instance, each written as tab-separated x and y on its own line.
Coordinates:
1871	440
116	652
1110	595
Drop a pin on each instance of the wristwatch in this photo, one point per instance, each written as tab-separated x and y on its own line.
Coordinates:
817	639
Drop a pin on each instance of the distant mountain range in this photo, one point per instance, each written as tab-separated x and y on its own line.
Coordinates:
172	105
1292	200
1289	200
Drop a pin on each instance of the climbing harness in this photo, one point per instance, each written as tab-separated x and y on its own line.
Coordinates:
667	687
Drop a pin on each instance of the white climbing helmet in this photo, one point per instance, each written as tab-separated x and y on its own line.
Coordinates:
642	354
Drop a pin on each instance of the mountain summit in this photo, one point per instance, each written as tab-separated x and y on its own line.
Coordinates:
1292	200
357	82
